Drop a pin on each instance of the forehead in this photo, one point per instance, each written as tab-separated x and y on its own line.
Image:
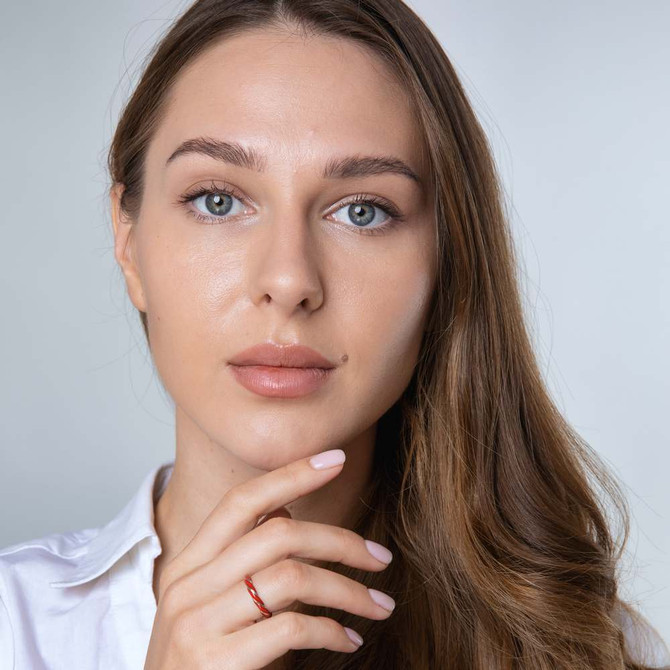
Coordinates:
296	99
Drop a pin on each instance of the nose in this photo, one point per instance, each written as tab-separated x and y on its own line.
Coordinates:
285	265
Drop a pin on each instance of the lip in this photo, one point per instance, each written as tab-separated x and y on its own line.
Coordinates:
280	382
286	356
277	371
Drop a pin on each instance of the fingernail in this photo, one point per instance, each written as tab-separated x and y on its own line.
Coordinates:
354	636
382	599
327	459
378	551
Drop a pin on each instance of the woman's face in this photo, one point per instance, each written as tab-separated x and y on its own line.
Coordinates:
284	258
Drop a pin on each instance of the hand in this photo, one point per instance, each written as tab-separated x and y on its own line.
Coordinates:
206	618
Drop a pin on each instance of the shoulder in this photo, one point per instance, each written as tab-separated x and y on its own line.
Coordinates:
61	593
27	568
43	558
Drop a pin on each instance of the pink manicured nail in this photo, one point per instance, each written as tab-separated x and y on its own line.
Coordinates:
378	551
382	599
327	459
354	636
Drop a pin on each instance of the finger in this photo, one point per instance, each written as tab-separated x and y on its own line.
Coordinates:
258	645
275	540
241	506
281	512
279	587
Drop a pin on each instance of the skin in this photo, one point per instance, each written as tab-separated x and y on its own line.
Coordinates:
287	265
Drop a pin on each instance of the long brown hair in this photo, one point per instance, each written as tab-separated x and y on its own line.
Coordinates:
504	556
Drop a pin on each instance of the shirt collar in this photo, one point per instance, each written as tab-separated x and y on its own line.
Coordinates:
131	525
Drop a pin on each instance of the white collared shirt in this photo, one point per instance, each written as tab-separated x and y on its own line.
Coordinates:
84	600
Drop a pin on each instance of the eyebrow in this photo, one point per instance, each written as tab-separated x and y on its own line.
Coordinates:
336	168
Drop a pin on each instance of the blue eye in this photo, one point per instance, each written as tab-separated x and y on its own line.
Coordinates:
361	212
216	203
219	202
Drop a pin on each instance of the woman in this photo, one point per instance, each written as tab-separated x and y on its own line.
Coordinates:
303	185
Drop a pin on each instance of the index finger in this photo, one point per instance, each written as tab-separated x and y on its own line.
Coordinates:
238	510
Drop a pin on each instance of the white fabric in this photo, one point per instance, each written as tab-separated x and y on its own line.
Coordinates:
84	600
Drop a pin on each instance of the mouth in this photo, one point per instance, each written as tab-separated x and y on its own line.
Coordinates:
281	371
276	381
269	354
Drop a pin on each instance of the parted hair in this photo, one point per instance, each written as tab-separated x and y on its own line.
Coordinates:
506	527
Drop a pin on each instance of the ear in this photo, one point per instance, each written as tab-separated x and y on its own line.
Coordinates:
124	248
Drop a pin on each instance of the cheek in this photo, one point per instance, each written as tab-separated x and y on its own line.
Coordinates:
190	295
383	327
188	276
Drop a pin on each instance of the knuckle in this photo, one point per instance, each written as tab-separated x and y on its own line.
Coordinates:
348	542
184	627
292	626
171	600
293	575
278	527
294	472
330	625
238	497
167	577
344	536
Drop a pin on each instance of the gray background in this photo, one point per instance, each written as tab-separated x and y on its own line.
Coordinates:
575	99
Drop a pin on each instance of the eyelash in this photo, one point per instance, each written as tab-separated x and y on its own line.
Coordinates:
395	216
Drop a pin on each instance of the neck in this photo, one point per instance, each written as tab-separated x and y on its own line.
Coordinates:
204	471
